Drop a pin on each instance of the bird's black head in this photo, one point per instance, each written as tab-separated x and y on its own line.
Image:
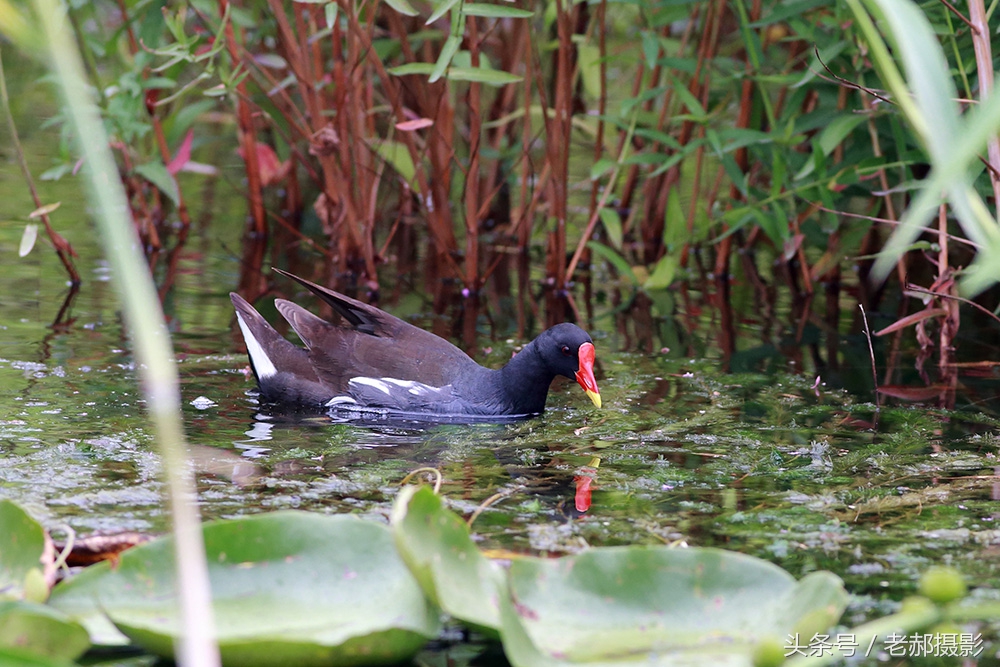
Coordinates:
569	351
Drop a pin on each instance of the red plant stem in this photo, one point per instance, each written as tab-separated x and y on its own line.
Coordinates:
363	171
341	175
591	225
658	190
279	95
440	227
472	177
525	214
559	144
602	107
504	105
247	136
433	102
667	106
949	322
596	204
707	46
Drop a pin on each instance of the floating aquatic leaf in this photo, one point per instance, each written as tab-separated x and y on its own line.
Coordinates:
25	551
40	632
658	606
435	544
288	588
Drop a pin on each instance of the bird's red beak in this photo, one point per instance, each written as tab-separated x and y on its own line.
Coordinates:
585	375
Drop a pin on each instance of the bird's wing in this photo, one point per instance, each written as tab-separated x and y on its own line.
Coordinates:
375	344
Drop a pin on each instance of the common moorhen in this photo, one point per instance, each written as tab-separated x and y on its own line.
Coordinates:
373	360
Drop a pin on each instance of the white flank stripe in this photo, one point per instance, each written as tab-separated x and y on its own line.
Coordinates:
258	357
371	382
404	384
414	387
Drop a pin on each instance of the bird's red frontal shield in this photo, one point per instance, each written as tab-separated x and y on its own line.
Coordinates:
585	374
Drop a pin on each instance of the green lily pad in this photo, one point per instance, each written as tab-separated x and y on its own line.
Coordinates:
657	606
37	632
77	598
13	657
435	544
288	588
25	553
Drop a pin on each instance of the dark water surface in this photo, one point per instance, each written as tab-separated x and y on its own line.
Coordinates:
765	460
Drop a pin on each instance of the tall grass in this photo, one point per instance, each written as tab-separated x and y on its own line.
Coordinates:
928	99
742	126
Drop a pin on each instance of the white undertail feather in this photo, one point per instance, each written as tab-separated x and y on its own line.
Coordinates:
258	357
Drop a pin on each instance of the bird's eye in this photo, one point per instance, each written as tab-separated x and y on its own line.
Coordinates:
565	350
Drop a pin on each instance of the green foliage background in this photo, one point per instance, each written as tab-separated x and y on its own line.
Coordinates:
783	128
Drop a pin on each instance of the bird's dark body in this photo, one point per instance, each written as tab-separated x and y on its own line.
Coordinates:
375	360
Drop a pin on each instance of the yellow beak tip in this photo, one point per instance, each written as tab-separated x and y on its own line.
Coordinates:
595	397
